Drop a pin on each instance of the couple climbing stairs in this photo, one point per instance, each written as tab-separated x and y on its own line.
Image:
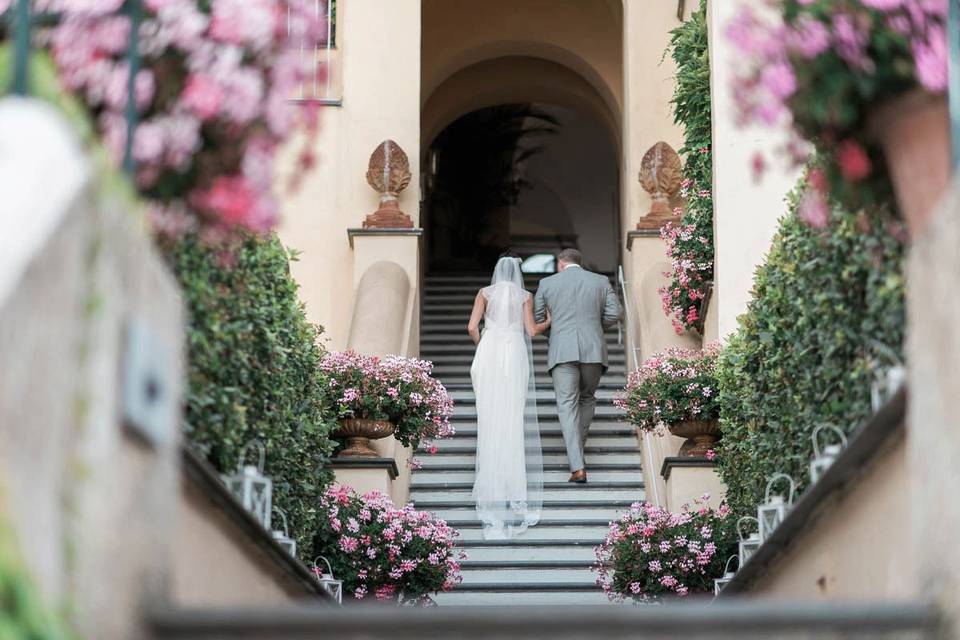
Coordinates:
550	563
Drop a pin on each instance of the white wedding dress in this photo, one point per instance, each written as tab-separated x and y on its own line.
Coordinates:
508	489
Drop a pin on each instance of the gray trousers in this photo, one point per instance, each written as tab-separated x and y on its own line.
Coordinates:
575	385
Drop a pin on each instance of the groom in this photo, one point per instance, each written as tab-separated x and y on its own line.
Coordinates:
582	304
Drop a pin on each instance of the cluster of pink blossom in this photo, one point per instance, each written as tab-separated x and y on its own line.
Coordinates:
689	273
822	68
213	96
401	390
672	386
381	551
650	552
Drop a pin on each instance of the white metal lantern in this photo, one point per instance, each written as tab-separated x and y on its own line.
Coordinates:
720	583
283	536
330	584
774	508
748	545
887	378
824	457
252	488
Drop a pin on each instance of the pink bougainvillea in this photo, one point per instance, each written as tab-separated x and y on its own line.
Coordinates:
384	552
821	68
651	553
213	96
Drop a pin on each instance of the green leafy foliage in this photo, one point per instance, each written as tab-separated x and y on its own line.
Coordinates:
805	349
23	614
253	371
690	246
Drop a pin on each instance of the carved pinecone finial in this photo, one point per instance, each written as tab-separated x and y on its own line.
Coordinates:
661	173
389	170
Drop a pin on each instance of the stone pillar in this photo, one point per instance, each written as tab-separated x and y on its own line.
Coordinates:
933	351
745	211
688	478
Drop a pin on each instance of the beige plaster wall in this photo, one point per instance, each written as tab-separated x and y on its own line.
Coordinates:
745	211
379	49
860	547
215	564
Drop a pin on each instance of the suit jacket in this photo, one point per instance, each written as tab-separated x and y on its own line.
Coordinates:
582	304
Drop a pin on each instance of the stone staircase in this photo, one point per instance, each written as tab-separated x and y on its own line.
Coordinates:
550	563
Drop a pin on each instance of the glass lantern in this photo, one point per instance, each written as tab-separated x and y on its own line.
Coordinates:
252	488
774	508
748	545
824	457
720	583
330	584
283	536
889	374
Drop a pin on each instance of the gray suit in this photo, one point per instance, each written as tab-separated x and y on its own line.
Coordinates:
582	304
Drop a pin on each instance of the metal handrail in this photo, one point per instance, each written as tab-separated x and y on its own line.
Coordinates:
22	20
634	364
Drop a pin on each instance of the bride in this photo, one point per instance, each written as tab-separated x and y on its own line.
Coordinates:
508	489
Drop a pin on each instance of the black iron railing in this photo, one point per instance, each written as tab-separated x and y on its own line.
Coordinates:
20	19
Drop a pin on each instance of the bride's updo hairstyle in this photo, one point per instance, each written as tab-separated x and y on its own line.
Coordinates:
510	254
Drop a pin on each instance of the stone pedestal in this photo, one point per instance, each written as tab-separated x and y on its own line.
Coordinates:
366	474
688	478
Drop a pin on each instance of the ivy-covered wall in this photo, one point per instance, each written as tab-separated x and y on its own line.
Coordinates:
806	347
253	371
690	245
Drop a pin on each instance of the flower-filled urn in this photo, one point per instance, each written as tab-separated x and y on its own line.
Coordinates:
330	584
728	573
774	508
748	544
282	536
252	488
824	455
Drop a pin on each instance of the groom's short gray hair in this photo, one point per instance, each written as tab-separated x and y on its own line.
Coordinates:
570	256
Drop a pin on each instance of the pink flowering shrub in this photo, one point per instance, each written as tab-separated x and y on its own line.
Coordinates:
824	66
650	553
672	386
690	251
401	390
212	94
380	551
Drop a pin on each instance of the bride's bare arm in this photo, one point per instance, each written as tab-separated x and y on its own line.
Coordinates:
533	327
473	327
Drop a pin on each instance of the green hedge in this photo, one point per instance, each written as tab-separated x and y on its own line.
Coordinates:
692	111
802	353
253	371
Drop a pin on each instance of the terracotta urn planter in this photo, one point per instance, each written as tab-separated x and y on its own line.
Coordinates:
358	432
701	435
914	133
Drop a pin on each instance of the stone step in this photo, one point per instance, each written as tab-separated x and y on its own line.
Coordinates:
560	474
594	491
539	359
548	428
512	551
552	510
528	598
459	326
454	448
533	576
553	532
463	397
604	410
602	415
555	440
543	384
429	461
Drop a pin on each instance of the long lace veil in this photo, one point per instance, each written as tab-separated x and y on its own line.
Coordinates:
507	293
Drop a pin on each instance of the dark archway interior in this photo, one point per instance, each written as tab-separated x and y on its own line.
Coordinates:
533	178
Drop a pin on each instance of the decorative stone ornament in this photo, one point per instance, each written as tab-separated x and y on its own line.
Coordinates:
283	536
748	545
774	508
720	583
823	457
330	584
661	174
252	488
388	174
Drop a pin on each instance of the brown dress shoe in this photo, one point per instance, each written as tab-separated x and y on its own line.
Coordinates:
578	476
